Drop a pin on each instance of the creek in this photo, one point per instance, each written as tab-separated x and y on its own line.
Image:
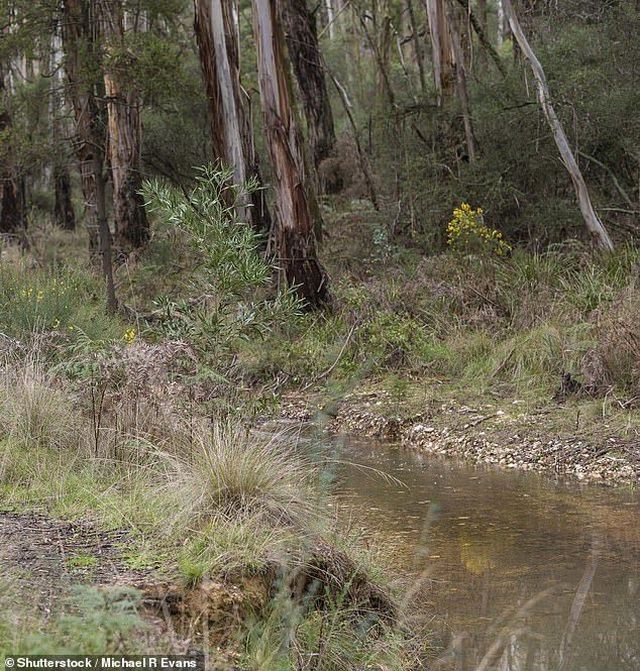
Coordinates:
513	571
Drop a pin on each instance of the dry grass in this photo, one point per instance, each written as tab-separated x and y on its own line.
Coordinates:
227	467
33	410
614	363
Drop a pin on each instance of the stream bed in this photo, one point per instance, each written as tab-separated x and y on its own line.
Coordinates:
513	571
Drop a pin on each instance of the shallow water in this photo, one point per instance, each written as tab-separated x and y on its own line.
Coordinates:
546	574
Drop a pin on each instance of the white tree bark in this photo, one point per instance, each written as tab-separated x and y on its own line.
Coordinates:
233	135
330	18
441	48
591	219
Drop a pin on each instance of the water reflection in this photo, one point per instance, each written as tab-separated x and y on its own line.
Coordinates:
522	574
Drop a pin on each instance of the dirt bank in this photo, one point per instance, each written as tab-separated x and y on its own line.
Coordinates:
506	437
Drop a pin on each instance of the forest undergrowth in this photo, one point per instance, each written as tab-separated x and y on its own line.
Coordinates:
146	420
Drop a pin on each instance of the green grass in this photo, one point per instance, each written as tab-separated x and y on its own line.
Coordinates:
83	561
84	621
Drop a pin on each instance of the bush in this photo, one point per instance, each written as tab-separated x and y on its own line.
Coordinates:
233	304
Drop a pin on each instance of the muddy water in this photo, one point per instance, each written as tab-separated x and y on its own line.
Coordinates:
519	573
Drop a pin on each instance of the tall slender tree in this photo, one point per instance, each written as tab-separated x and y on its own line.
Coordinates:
12	196
299	24
293	240
441	49
63	212
80	34
124	131
231	131
589	215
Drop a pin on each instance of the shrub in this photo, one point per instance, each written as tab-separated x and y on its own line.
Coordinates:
232	304
468	232
35	301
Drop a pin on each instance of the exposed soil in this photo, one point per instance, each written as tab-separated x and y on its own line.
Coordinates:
509	438
42	559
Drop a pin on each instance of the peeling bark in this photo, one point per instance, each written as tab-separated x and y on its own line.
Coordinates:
443	67
294	240
591	219
123	118
302	42
231	131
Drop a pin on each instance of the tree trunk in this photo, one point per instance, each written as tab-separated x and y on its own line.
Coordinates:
79	37
591	219
293	236
503	23
417	45
455	23
105	234
231	131
302	42
63	213
331	17
443	70
123	114
12	196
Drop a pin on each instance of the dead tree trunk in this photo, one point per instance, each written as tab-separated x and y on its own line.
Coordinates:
12	205
123	115
79	40
299	25
294	239
231	131
591	219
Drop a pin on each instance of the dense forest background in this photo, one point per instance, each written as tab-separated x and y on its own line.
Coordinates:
392	128
440	173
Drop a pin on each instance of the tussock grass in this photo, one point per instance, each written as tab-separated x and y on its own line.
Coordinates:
33	410
232	469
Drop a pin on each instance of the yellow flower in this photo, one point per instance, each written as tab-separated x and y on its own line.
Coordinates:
129	336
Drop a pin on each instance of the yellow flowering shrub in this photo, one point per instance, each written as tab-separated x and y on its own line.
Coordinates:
129	336
467	232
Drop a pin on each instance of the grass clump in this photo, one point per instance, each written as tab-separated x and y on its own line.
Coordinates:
233	469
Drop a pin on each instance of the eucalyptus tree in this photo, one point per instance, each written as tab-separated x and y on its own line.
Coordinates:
231	131
299	23
592	221
118	21
85	90
293	239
